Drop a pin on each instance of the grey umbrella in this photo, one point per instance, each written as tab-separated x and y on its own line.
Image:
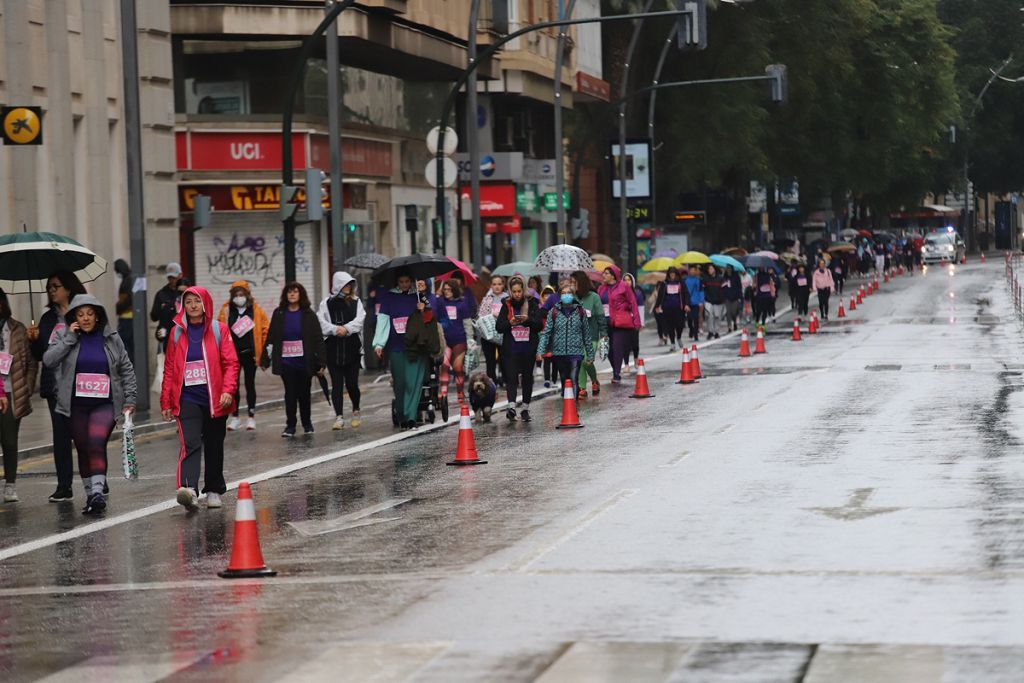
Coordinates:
368	260
564	258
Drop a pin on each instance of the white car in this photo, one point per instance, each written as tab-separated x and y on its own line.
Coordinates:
943	247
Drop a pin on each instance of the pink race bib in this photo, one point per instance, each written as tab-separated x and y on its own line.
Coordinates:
400	324
672	289
589	312
496	308
520	333
291	349
57	329
766	289
607	310
92	385
195	373
801	282
5	363
453	312
242	326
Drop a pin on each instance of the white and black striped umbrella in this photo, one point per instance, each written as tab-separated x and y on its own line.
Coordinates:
28	258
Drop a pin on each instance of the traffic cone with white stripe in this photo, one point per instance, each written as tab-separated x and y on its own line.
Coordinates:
759	343
860	295
695	364
744	344
641	390
796	330
570	418
842	311
853	303
686	372
812	326
246	556
465	451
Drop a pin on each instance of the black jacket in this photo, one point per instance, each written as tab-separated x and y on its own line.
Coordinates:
312	342
534	321
164	308
684	294
47	378
713	293
347	349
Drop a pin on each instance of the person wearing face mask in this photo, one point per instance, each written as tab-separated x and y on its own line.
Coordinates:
396	308
249	326
341	317
200	383
61	288
164	308
95	383
566	336
520	323
823	283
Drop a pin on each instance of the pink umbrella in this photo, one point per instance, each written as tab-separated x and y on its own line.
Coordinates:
459	267
767	254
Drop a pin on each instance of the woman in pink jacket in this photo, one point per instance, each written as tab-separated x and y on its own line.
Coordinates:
824	285
623	317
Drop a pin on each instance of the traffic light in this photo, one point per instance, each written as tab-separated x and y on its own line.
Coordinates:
779	83
438	234
287	206
693	26
315	179
202	210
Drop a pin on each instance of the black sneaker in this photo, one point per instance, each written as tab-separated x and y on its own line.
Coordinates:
288	432
525	415
511	414
61	495
308	429
106	489
95	505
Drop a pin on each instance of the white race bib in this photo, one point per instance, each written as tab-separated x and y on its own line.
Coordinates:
453	312
607	310
521	333
5	363
589	312
767	289
195	373
242	326
291	349
92	385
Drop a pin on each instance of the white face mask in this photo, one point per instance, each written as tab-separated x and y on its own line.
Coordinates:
240	301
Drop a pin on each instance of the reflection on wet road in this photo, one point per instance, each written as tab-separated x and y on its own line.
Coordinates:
846	508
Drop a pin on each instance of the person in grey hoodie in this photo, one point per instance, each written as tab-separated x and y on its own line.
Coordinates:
95	383
341	316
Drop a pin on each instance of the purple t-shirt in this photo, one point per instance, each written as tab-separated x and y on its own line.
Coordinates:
194	387
399	308
450	313
293	333
92	359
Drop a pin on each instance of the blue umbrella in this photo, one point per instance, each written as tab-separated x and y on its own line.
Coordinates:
721	260
757	262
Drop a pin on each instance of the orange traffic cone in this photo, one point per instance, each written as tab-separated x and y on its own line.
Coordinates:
695	364
860	295
842	311
812	326
876	283
759	343
885	277
465	451
686	372
982	257
246	556
796	330
570	418
744	344
853	303
641	390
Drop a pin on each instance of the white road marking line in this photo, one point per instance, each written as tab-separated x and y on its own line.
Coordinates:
318	527
125	669
725	429
362	661
101	525
524	562
676	460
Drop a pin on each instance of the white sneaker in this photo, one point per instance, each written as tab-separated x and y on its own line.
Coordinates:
188	499
233	424
10	495
213	500
250	424
339	423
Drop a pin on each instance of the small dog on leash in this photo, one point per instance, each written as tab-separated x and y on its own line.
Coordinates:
482	393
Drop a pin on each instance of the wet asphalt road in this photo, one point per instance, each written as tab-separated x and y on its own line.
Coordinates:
846	508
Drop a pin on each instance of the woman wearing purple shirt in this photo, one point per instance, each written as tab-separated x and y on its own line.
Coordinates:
297	352
396	307
457	322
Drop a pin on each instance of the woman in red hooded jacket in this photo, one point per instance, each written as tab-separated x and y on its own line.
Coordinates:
200	380
623	317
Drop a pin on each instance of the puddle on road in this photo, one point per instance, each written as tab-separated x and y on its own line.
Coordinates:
734	371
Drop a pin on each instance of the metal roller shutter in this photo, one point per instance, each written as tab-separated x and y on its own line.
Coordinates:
249	246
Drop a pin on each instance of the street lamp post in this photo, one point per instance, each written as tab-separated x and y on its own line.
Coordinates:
564	12
650	117
476	238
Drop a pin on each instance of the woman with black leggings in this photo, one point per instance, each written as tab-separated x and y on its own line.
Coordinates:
519	323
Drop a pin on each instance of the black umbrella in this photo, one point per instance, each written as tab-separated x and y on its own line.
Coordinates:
325	388
419	266
368	260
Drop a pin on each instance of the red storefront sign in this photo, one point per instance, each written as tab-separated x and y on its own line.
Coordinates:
265	197
199	150
593	86
509	227
495	200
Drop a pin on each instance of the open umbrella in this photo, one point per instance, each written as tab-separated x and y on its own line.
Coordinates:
692	258
660	263
841	247
564	258
767	254
419	266
865	233
460	267
755	261
601	257
28	258
524	268
651	278
368	260
735	251
721	260
666	253
601	264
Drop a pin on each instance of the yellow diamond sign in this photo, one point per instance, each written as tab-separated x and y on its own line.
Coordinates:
22	125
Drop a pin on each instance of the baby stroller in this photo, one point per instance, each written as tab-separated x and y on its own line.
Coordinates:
432	400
